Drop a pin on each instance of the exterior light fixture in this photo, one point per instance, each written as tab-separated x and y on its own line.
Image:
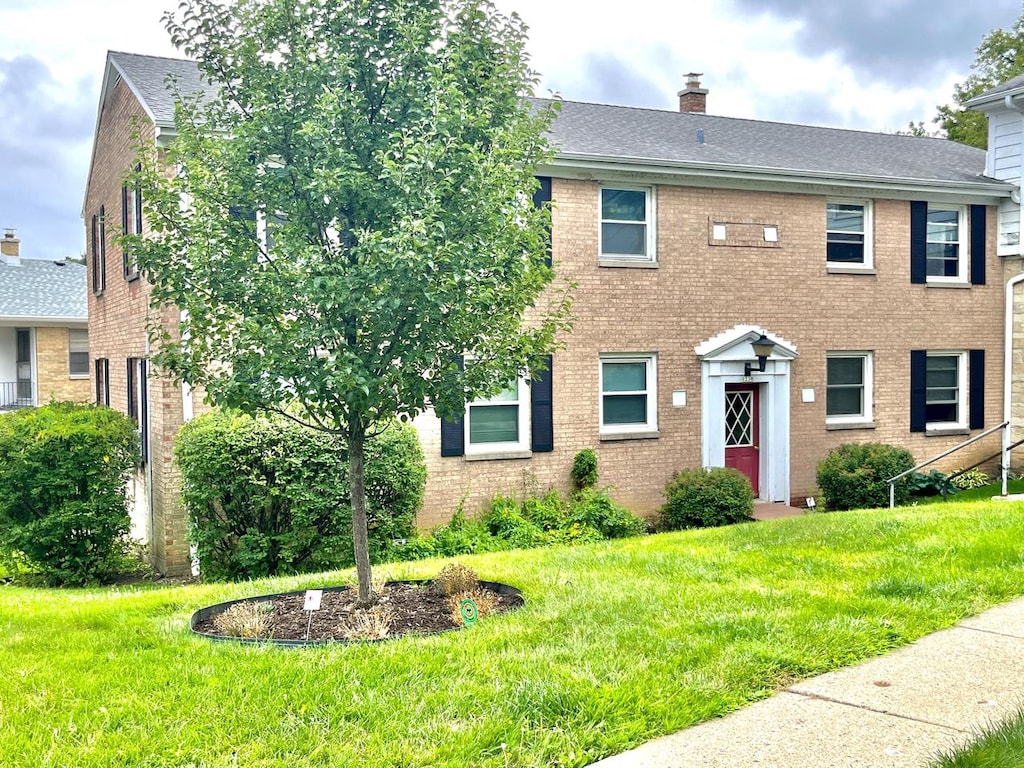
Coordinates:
762	348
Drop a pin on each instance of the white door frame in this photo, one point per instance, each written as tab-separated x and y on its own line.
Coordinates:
723	359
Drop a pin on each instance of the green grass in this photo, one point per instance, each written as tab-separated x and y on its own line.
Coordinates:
1002	746
975	494
618	643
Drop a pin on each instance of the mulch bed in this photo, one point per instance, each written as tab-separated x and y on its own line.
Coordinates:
415	608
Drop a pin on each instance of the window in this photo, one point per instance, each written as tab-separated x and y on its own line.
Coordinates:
848	388
945	390
847	234
137	402
99	252
944	244
628	394
78	352
131	223
626	230
499	423
101	367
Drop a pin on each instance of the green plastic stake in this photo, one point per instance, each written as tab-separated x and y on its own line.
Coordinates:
468	611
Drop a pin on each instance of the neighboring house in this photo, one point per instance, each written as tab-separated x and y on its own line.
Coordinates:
44	337
867	262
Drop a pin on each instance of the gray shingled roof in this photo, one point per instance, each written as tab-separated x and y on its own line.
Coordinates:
43	290
1014	84
599	130
148	76
627	133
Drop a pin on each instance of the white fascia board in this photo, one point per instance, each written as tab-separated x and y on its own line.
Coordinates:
76	321
995	101
641	170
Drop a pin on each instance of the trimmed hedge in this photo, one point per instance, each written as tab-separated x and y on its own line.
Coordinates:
64	469
853	476
266	496
701	498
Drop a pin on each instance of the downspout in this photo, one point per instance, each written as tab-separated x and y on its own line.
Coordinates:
1008	372
1010	104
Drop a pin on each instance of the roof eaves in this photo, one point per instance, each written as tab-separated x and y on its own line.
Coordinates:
989	188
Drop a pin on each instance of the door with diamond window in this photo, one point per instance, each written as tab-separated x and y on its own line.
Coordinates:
743	431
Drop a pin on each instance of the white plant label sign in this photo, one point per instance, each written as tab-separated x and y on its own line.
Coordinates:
313	598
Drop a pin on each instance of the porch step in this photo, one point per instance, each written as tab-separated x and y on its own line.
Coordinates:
764	510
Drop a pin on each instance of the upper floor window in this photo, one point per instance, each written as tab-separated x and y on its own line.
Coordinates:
78	352
945	243
848	233
98	240
626	232
628	394
848	388
499	423
131	223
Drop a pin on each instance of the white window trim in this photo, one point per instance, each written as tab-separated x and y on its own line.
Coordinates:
869	235
518	446
961	390
867	417
649	207
650	359
963	256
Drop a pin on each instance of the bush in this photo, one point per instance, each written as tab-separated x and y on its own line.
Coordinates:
971	478
454	579
267	496
699	498
584	469
63	475
594	508
460	536
505	521
853	476
931	484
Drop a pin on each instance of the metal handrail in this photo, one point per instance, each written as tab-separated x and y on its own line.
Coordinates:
892	480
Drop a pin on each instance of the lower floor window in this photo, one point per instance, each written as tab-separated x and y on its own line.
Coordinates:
944	389
628	393
498	423
848	387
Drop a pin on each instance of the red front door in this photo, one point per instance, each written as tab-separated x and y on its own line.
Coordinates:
743	431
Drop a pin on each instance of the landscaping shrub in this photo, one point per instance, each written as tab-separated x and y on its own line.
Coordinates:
584	469
594	508
853	476
972	478
63	474
454	579
931	484
460	536
506	522
266	496
699	498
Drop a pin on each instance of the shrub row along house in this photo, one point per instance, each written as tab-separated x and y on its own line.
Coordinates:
749	294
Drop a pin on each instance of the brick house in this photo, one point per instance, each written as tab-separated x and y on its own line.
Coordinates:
44	337
867	263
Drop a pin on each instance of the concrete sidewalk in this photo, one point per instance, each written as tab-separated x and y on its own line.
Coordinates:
896	711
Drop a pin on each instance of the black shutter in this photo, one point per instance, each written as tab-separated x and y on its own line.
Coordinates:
542	425
124	210
453	432
540	198
978	244
918	241
976	388
918	389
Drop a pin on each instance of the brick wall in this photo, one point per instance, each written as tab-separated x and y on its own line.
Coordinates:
118	320
700	290
53	380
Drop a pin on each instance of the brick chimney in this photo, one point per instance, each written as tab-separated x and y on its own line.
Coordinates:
9	249
693	98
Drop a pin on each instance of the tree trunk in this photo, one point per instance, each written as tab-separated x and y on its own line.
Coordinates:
357	491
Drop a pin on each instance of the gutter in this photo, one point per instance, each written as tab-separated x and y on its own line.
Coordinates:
989	189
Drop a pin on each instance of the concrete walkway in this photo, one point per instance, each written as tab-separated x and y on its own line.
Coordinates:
896	711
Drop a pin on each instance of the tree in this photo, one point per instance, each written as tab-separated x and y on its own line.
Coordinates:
999	58
351	217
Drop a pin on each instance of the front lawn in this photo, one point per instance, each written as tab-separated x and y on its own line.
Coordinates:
1001	746
618	643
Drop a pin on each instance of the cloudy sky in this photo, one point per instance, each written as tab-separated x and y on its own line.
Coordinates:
873	65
